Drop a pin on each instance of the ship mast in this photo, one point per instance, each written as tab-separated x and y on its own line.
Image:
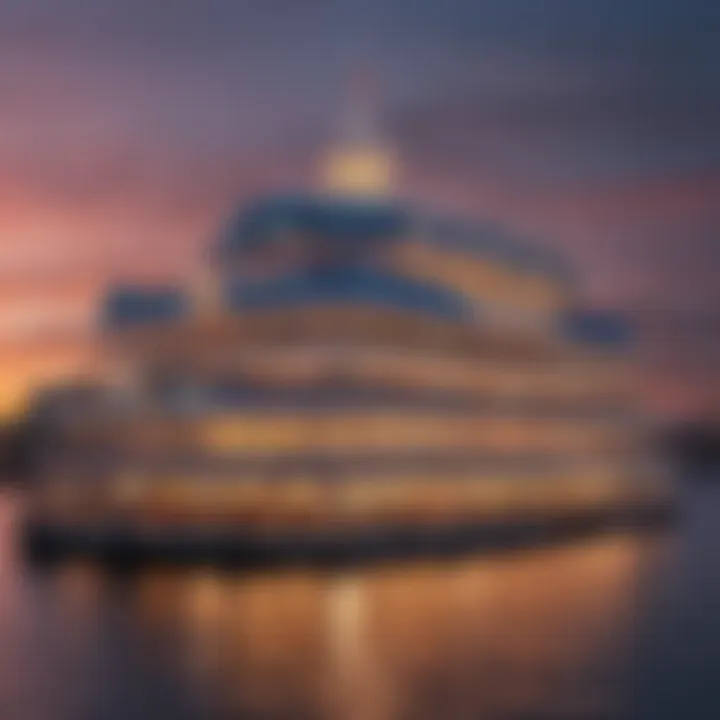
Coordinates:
359	163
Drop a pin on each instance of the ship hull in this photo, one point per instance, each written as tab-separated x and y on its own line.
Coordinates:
246	520
127	541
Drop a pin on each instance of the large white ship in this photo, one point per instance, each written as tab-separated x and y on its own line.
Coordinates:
348	361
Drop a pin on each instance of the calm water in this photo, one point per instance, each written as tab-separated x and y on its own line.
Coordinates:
609	628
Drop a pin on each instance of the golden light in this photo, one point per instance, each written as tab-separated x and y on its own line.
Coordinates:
362	171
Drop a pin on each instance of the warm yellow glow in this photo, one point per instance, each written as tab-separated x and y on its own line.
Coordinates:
13	398
392	431
359	171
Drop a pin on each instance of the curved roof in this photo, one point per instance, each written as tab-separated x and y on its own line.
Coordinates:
349	284
343	220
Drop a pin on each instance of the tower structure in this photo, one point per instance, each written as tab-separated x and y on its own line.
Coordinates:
359	162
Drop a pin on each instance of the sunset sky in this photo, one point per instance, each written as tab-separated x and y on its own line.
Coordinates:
130	129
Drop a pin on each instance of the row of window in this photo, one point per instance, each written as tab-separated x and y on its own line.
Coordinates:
420	494
552	381
290	330
267	432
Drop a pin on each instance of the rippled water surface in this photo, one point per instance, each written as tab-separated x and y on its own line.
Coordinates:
613	627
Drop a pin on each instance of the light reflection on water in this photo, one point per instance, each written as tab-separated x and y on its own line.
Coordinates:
541	634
